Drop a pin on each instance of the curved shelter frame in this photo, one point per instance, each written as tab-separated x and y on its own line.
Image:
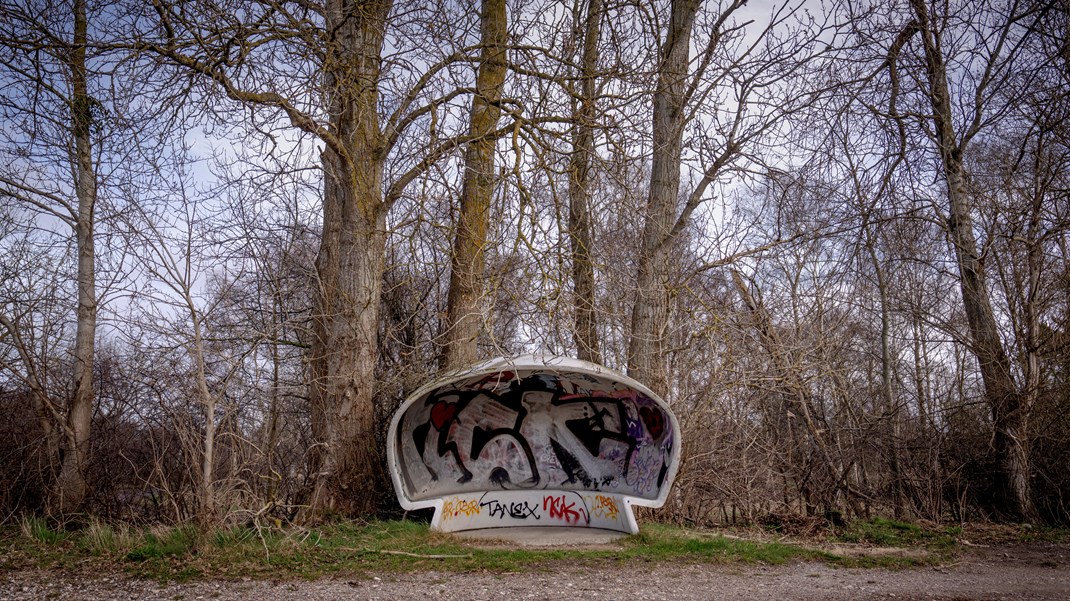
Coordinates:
533	441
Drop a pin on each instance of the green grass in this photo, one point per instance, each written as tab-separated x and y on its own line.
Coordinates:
902	544
660	542
39	530
356	550
892	533
171	542
102	539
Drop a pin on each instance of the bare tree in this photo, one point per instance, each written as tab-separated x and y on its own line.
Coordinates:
464	314
732	83
365	172
49	65
580	184
1010	408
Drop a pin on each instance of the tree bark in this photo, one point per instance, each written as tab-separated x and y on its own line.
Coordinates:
1010	412
71	484
585	334
465	311
345	461
650	311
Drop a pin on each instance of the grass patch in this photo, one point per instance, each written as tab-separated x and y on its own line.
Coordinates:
359	550
893	544
893	533
661	542
169	542
105	540
1044	534
39	530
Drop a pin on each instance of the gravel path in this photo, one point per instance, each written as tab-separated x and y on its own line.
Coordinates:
1026	572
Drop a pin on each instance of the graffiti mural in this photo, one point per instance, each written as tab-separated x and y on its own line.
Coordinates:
553	428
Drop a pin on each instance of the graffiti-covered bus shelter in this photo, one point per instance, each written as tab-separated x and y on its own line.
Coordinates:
533	441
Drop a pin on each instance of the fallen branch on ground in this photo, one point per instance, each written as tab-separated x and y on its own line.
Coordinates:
405	553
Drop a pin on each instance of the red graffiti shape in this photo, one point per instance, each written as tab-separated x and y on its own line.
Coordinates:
560	510
443	413
654	420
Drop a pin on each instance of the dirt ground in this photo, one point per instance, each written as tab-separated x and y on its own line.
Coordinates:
1035	571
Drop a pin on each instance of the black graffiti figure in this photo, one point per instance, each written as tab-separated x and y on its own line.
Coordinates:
514	400
571	465
442	416
591	431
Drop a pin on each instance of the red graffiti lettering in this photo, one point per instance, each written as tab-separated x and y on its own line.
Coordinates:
560	509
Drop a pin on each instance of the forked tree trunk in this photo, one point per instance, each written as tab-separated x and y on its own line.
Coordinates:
831	478
891	416
466	301
71	484
891	407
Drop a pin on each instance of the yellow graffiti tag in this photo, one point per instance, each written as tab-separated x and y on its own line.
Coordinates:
453	509
604	507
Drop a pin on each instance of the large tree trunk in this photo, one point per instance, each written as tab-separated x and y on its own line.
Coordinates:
345	461
585	333
465	311
650	311
1010	414
71	484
